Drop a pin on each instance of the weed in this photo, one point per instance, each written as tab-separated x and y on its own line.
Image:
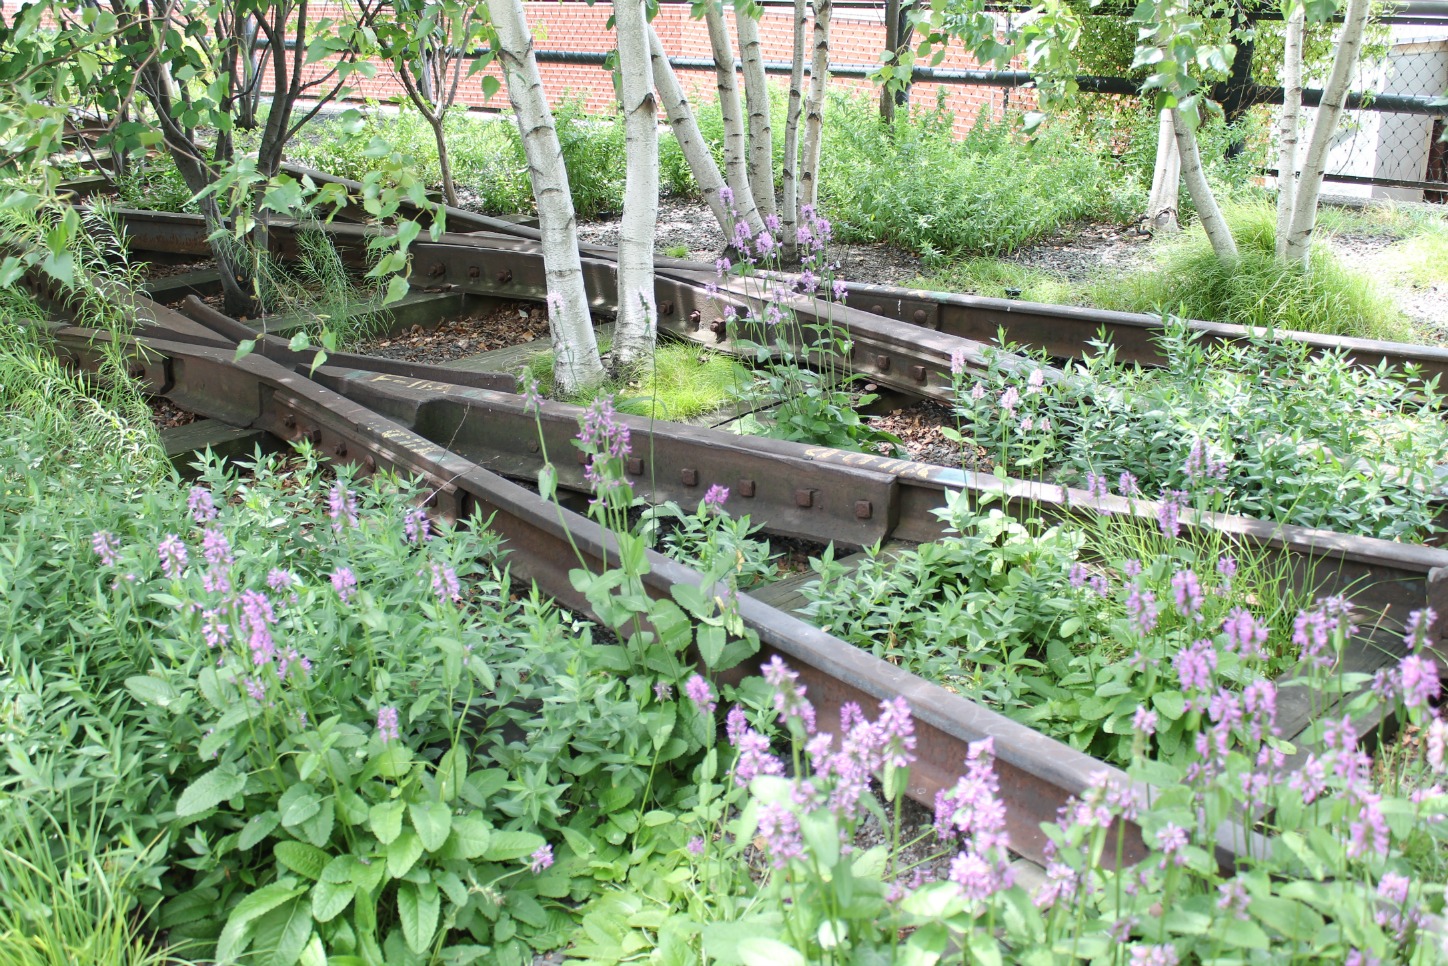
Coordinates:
680	381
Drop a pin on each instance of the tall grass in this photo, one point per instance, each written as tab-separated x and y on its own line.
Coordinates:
1187	279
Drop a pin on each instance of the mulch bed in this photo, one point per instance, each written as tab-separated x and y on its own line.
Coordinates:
506	325
166	415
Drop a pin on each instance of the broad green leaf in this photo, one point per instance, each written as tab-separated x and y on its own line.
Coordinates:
385	820
506	846
330	899
417	908
763	951
237	935
150	690
432	820
306	860
210	790
403	853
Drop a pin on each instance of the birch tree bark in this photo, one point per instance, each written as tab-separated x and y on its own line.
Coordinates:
819	76
686	132
736	162
1314	160
1202	198
1162	206
756	105
576	362
1287	126
790	179
633	335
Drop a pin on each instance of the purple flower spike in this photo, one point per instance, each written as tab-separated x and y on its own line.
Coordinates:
715	496
106	547
1144	722
698	691
779	828
341	507
1420	622
445	584
541	859
345	583
1419	677
203	509
173	556
387	723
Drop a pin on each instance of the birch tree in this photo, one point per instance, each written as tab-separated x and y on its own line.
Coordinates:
756	104
633	337
686	131
1308	177
1296	21
736	151
576	361
790	173
1162	204
819	76
1205	201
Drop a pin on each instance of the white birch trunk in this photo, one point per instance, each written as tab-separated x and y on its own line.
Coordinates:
1202	198
1163	205
633	334
576	362
1314	159
791	135
686	132
756	105
1287	126
736	160
819	77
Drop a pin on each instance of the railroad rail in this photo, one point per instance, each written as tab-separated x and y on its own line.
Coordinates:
263	390
466	433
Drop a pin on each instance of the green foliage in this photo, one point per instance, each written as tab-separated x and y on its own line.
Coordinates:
679	382
706	537
997	278
488	164
918	187
1263	428
1259	290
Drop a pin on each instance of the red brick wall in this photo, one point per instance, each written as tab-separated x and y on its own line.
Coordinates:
856	37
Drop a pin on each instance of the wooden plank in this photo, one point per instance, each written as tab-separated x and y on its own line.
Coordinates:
202	282
182	443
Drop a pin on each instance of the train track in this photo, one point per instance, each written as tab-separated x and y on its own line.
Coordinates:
470	437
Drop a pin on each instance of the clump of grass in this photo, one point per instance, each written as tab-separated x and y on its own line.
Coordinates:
1421	259
1258	290
680	382
995	278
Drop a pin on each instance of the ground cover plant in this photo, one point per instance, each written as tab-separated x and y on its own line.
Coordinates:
678	382
1263	428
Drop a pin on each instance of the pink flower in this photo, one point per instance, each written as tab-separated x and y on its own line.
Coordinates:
698	691
715	496
199	502
344	582
387	723
173	556
541	859
106	547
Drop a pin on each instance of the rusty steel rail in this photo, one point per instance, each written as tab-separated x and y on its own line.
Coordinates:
1038	774
1063	331
498	265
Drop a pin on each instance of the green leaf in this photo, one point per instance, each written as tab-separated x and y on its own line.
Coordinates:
385	820
210	790
298	342
763	951
298	804
306	860
149	690
244	348
237	934
330	899
296	932
1171	704
417	908
403	853
507	846
397	288
432	820
469	838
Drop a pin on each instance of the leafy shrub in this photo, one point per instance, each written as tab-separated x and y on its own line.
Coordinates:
342	735
1314	440
1012	614
916	186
